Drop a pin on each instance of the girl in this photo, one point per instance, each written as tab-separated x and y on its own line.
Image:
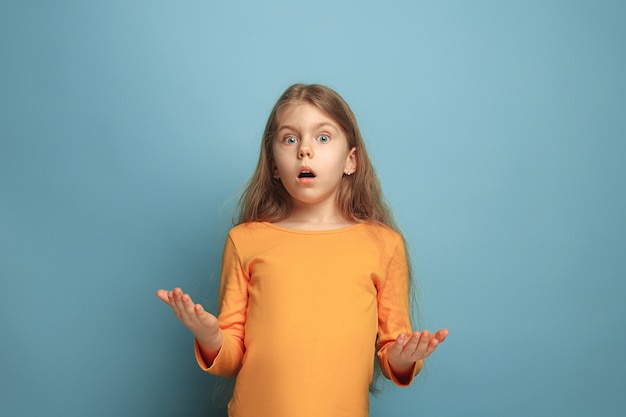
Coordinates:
315	277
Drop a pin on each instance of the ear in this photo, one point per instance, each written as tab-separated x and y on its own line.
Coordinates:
275	174
350	166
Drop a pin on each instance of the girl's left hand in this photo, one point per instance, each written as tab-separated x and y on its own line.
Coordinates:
405	351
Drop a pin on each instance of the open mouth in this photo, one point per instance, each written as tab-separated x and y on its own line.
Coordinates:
306	173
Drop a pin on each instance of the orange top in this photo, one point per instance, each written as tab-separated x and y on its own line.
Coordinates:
300	312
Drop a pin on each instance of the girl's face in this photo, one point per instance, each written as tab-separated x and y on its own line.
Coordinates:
311	154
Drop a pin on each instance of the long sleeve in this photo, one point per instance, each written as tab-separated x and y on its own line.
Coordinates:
393	310
233	302
300	312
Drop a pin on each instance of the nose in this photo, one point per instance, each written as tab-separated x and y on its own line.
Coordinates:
305	150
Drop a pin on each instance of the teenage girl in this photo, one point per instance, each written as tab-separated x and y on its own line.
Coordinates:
315	277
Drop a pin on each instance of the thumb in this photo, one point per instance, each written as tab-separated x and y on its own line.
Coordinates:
205	317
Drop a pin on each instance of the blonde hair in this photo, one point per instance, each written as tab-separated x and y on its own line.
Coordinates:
360	197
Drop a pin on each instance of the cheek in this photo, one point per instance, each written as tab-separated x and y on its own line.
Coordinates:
279	162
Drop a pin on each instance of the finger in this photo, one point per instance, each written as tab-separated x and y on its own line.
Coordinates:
188	305
441	334
176	301
206	318
177	297
432	346
199	310
162	295
417	346
410	345
189	312
399	344
422	345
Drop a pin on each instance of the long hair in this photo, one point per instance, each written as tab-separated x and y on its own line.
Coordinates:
360	198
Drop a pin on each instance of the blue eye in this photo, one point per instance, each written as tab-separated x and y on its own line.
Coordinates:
323	138
290	140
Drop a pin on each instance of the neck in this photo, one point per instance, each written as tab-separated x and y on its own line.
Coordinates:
315	217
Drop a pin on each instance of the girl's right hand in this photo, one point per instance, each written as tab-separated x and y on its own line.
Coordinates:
201	323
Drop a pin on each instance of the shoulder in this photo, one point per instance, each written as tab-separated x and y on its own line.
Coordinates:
243	230
246	237
381	232
379	239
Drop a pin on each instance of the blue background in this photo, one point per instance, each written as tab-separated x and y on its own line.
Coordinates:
497	128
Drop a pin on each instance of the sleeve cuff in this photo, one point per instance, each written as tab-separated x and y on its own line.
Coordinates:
201	362
388	373
227	362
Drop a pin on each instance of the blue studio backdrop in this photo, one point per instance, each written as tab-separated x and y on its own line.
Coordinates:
497	128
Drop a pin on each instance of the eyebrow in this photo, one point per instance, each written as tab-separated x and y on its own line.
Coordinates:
316	127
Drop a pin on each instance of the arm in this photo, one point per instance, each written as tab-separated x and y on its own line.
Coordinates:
218	343
401	352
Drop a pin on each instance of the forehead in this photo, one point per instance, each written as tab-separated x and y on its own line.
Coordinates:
303	115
